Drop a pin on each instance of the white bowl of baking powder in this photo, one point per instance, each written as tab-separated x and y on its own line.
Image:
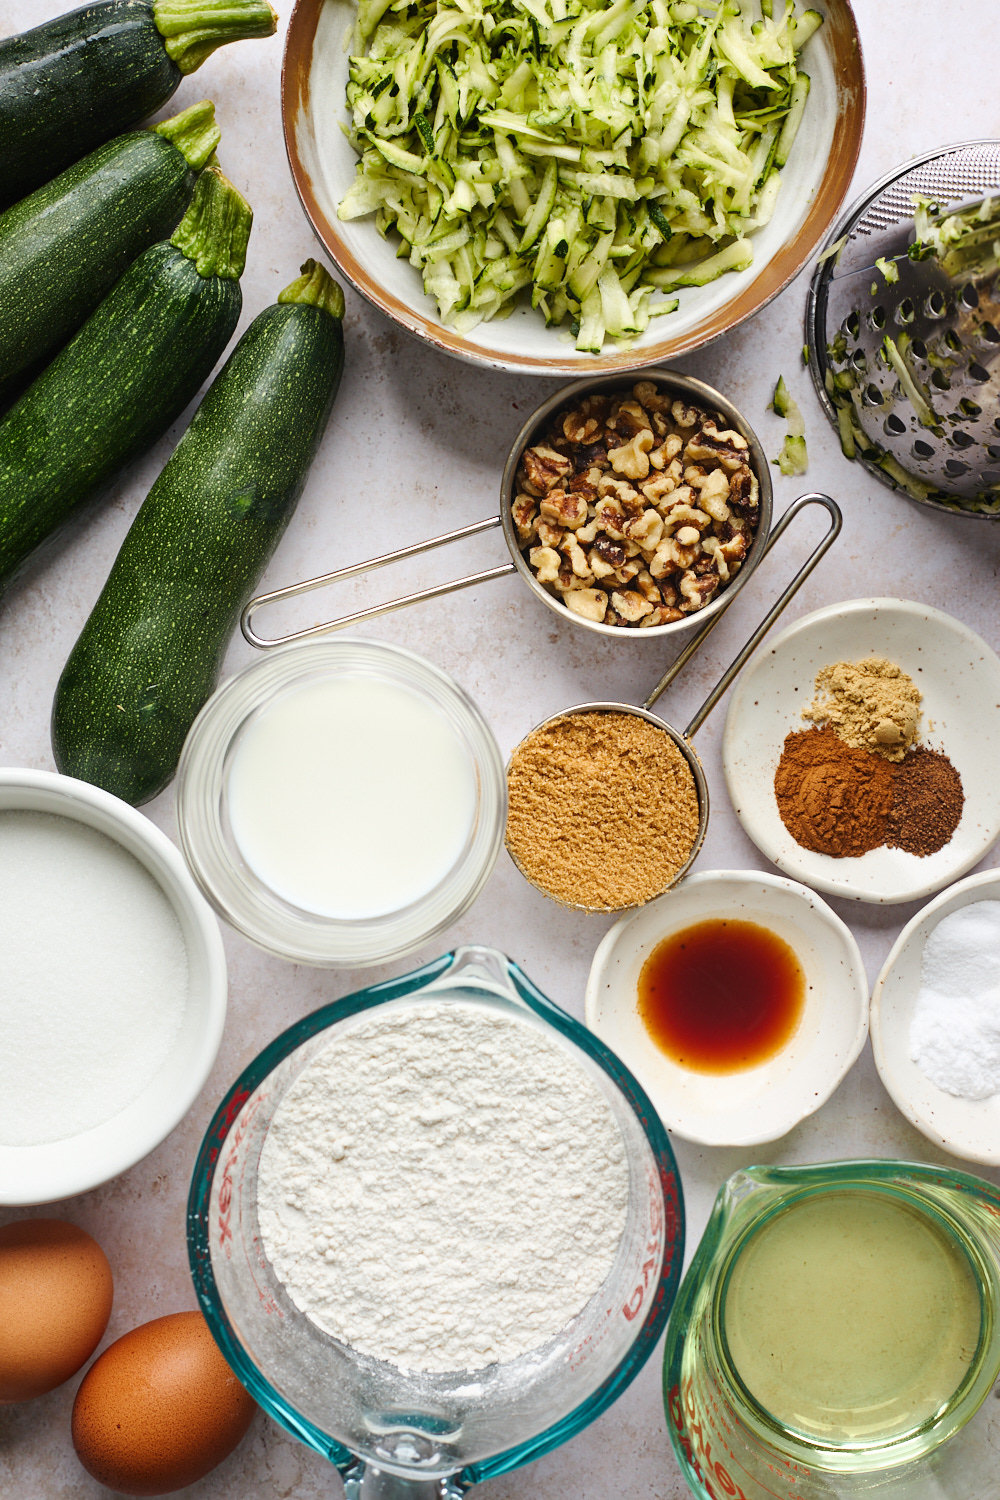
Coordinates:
969	1128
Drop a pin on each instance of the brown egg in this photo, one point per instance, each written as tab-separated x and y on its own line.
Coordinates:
55	1302
159	1409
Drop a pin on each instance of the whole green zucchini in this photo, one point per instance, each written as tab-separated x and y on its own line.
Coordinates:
64	246
151	652
74	82
126	375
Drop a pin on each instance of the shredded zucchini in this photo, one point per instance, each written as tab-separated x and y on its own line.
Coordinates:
596	152
793	458
965	243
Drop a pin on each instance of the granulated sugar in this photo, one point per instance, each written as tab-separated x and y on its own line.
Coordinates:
955	1031
93	980
443	1187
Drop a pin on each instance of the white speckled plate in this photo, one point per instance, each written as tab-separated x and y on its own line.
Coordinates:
759	1104
969	1128
959	677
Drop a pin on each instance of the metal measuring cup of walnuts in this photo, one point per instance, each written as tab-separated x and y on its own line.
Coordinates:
607	803
632	504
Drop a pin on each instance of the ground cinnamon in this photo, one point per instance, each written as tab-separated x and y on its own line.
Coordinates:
833	798
842	800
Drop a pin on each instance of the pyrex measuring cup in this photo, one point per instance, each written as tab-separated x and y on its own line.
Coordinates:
728	1442
420	1436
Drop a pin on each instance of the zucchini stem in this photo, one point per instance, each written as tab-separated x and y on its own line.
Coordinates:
215	230
192	29
315	288
194	133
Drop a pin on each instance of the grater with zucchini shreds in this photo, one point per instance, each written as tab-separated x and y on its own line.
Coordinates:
905	357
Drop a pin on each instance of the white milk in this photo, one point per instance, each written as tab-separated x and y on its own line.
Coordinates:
351	797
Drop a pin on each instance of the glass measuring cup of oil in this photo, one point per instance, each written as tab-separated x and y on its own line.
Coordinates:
837	1335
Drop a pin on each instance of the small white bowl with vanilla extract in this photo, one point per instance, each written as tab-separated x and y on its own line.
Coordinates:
739	1001
341	802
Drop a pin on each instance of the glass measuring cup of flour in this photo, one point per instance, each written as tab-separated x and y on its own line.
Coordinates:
420	1436
728	1443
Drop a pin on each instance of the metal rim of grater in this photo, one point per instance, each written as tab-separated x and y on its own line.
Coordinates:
953	328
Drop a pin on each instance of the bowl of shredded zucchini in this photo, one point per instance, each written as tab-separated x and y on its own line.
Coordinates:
559	186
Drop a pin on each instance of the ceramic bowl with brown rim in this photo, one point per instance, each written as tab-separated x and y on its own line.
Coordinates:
814	183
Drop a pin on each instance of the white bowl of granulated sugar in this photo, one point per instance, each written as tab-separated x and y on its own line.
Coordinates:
113	997
935	1020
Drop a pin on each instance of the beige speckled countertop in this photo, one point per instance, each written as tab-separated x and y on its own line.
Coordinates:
415	446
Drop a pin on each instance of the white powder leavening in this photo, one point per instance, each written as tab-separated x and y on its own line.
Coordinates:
93	978
443	1187
955	1031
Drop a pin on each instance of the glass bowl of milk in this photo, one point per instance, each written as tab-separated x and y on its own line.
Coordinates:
341	802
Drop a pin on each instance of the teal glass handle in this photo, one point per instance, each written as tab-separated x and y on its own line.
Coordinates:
364	1482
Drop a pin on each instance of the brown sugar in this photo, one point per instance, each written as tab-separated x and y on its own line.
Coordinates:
603	810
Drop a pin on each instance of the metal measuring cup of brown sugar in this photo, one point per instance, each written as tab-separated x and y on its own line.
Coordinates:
682	740
671	383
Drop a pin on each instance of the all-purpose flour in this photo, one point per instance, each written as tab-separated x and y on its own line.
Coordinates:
443	1187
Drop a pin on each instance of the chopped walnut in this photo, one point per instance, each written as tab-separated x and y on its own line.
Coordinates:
655	489
663	614
744	492
646	530
630	606
525	515
577	558
627	419
730	448
684	415
592	604
641	507
649	397
564	510
633	459
546	563
672	556
543	468
697	590
713	491
620	489
612	553
548	535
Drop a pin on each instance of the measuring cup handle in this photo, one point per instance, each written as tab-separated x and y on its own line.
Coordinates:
263	643
363	1481
735	666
